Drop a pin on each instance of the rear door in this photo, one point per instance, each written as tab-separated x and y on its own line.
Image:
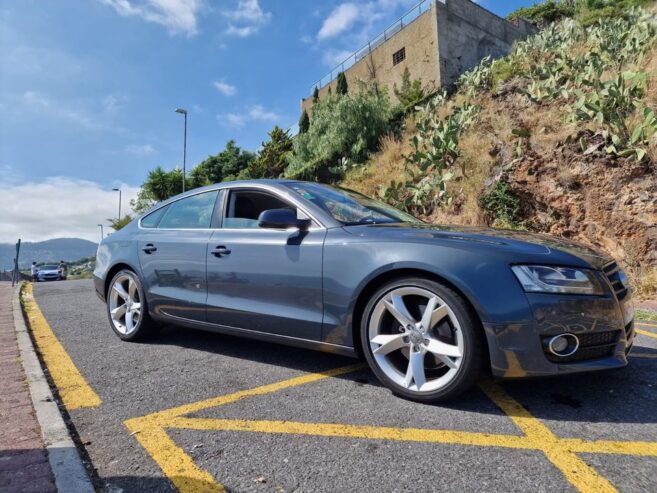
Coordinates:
267	280
172	253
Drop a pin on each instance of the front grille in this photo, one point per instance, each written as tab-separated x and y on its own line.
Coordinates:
612	271
592	345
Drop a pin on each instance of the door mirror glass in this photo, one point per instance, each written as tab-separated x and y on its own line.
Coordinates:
281	219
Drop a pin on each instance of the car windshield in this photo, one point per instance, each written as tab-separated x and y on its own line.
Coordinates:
49	267
349	207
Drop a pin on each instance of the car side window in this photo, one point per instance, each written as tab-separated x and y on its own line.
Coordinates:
151	220
245	206
193	212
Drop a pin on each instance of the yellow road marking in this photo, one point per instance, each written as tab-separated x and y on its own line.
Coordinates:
174	462
646	333
179	467
643	355
73	389
578	472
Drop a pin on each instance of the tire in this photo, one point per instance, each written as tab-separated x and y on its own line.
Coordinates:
430	364
133	323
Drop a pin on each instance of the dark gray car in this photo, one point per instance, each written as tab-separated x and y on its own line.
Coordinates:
429	307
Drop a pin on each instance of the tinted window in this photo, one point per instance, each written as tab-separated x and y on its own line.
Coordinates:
244	208
351	207
193	212
151	220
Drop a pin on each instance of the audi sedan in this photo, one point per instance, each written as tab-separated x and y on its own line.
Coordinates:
429	307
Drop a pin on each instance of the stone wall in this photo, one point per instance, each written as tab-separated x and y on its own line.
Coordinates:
467	33
419	38
442	43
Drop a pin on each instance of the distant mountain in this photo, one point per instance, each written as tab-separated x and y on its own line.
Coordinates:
68	249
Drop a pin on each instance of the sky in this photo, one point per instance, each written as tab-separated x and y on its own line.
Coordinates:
88	90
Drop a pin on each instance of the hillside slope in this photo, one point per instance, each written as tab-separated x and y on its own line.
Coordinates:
54	250
559	137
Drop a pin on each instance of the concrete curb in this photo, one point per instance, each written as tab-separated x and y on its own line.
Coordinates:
68	470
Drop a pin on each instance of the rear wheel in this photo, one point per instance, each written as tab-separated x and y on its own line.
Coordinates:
421	340
126	307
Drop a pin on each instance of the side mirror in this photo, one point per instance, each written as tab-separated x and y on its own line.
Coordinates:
281	219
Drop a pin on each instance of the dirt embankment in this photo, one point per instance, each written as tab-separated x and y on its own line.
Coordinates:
601	200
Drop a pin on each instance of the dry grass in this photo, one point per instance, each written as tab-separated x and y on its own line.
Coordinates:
382	169
644	281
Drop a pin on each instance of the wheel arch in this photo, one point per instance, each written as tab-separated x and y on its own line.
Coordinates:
382	278
119	266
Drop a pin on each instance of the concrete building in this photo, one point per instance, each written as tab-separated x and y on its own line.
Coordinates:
437	41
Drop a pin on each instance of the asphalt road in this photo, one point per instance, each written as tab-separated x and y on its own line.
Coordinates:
184	366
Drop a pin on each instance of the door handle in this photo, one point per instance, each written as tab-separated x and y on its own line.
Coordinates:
150	248
220	251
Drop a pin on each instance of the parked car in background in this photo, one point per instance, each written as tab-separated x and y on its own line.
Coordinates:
430	307
49	272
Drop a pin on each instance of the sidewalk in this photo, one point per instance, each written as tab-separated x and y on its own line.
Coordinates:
24	465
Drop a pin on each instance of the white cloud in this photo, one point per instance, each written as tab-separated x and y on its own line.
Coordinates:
259	113
255	113
178	16
58	207
225	88
247	18
113	102
332	57
339	20
140	150
232	120
69	111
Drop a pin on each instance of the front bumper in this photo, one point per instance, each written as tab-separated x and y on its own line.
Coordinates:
604	326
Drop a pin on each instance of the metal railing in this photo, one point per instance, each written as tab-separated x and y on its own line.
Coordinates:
402	22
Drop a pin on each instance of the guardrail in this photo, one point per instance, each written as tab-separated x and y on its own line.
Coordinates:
403	21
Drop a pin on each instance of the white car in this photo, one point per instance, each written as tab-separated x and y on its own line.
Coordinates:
49	272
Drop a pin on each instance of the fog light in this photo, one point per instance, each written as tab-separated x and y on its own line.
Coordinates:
563	345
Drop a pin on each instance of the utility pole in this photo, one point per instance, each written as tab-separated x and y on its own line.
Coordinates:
184	113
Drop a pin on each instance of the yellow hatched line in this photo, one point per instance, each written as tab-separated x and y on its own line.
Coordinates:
576	471
73	389
188	477
646	333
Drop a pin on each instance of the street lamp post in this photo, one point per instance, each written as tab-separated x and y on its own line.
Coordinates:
118	190
184	113
101	232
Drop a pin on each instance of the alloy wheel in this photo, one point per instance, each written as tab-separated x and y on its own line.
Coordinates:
125	304
416	339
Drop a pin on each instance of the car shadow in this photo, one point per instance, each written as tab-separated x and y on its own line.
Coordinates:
614	396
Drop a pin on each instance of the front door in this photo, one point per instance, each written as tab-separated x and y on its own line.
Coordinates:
265	280
173	253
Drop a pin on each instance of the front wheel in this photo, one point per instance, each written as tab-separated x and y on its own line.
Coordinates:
422	340
126	307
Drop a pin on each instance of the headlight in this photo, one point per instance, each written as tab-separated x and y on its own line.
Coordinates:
549	279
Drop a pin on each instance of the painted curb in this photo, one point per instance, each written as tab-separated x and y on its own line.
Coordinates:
70	474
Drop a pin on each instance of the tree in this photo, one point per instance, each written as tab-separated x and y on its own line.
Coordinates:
344	130
159	185
117	223
223	166
272	160
316	95
341	86
304	122
411	92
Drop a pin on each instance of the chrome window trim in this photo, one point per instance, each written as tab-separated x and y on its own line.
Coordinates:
320	225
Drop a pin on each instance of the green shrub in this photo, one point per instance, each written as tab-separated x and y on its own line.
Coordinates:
272	158
410	92
341	84
544	13
304	122
502	205
342	127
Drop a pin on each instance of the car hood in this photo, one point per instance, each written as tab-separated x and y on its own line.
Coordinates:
49	271
519	241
